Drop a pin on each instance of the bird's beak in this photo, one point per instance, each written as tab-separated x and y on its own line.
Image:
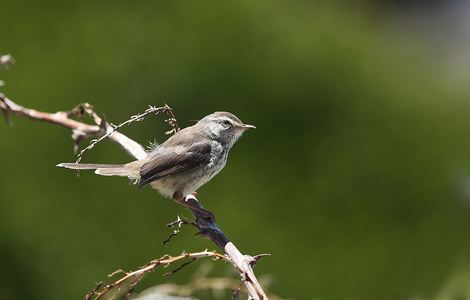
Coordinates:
246	127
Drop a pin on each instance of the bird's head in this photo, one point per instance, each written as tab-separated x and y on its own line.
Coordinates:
224	126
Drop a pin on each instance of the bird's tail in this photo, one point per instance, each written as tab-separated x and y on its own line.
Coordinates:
130	170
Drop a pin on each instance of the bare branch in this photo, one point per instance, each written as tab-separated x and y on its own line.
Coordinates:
205	221
136	276
79	129
172	122
180	267
91	293
110	128
243	263
202	282
178	224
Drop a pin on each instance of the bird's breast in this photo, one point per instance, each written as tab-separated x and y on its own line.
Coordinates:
218	159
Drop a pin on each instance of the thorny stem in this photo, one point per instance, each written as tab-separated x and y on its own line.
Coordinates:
111	128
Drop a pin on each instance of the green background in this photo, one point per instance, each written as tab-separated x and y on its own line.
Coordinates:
353	181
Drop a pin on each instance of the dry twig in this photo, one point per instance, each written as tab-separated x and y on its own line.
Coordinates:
101	130
80	130
110	128
221	287
177	224
136	276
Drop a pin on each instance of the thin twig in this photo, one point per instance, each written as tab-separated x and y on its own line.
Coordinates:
91	293
172	122
254	259
111	128
132	286
137	275
180	267
178	223
78	128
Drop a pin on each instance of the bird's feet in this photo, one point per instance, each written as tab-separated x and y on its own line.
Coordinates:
191	202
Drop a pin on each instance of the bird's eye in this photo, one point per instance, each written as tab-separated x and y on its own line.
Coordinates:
226	123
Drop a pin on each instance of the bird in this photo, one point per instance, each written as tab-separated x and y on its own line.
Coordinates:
187	160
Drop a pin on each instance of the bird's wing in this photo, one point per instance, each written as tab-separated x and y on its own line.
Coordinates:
174	160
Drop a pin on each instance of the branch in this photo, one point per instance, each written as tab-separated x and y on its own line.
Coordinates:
205	221
110	129
136	276
202	282
80	130
243	263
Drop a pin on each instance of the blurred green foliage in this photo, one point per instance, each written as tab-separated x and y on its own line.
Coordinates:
353	179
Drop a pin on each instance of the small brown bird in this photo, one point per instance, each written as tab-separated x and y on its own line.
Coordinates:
185	161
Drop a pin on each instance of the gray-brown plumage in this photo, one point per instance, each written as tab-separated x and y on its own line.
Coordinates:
185	161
